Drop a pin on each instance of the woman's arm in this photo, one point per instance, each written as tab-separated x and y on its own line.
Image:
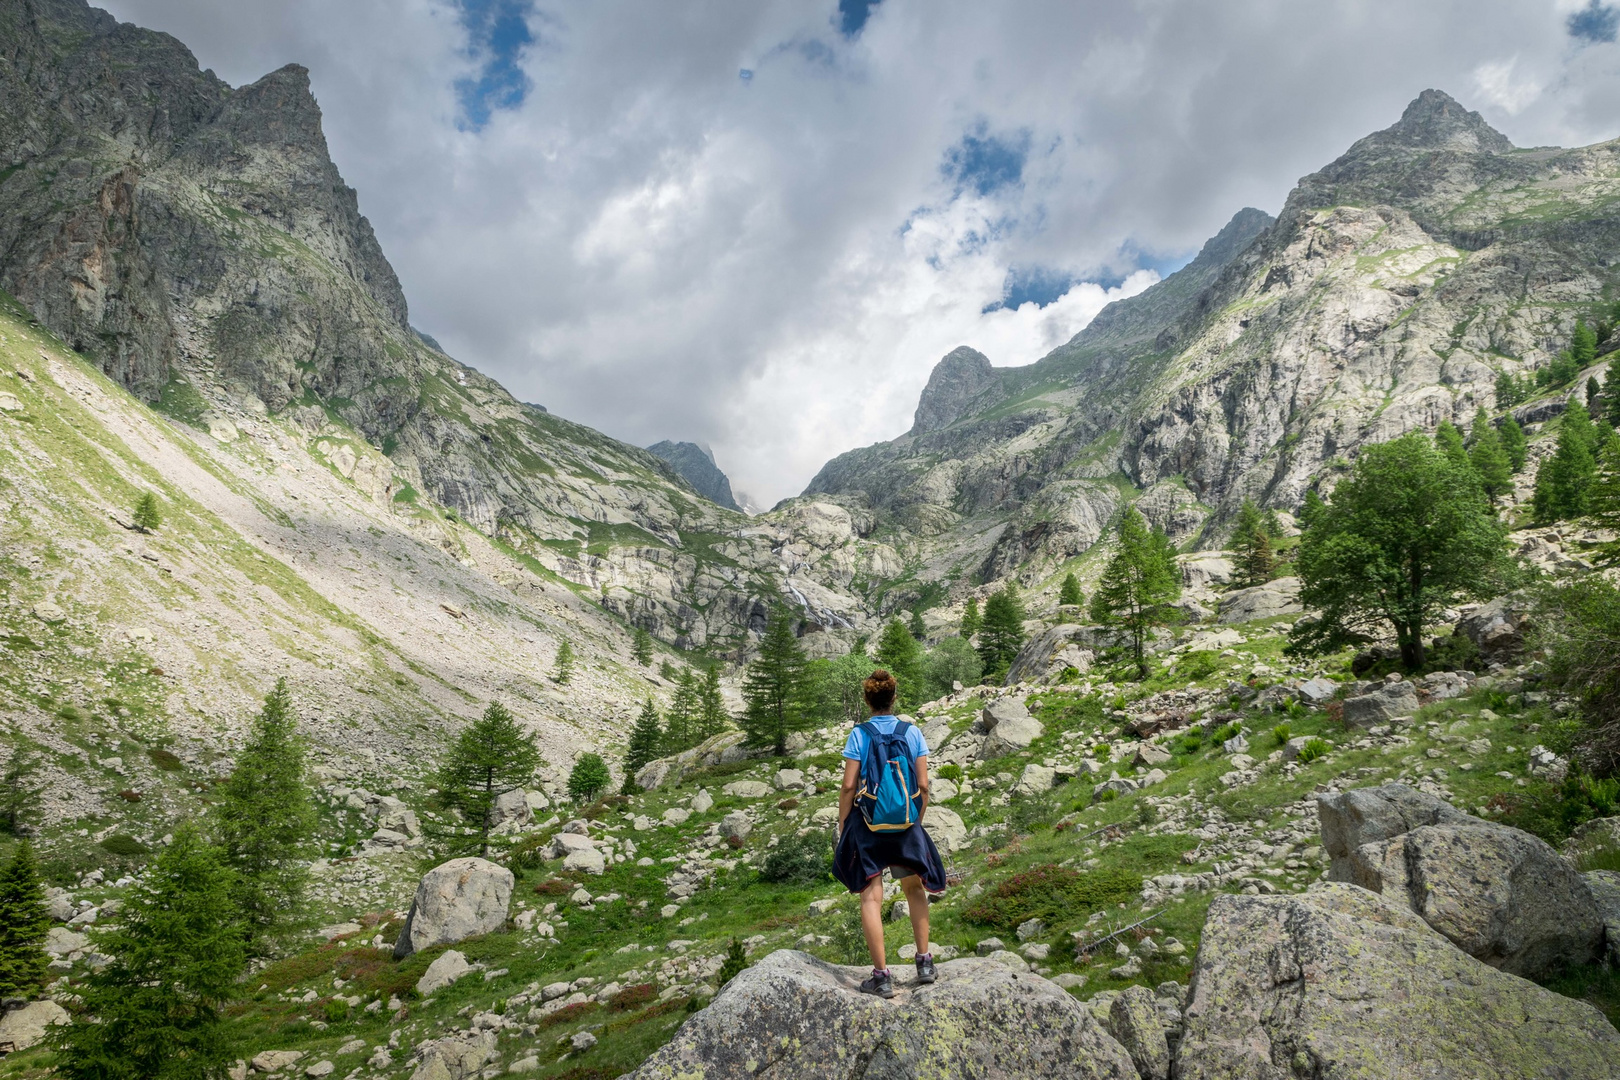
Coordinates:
922	785
846	793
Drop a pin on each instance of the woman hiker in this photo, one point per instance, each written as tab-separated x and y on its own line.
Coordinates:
880	810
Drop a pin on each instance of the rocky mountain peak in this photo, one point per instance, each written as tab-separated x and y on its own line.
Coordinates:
955	381
695	464
1435	120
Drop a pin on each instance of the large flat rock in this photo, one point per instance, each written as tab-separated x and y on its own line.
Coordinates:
1341	982
793	1017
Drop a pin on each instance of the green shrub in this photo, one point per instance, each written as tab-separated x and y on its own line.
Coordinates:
1224	732
734	962
1552	811
165	760
1190	743
1198	664
1312	750
799	860
124	846
952	772
1054	894
1108	795
1282	733
336	1011
1028	813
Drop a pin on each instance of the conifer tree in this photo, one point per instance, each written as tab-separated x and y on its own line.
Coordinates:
1138	586
147	515
734	963
1611	392
565	664
1311	509
1583	345
915	624
641	647
712	716
970	618
1251	541
490	757
20	791
1001	634
1594	390
1489	459
898	651
264	821
1563	479
24	922
773	689
680	721
1405	536
1514	442
1069	592
155	1010
645	740
1449	441
588	778
1603	499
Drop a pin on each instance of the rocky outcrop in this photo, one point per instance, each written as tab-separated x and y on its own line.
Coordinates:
1498	628
956	380
1343	982
1499	894
793	1017
1370	815
1008	727
455	901
1605	886
26	1025
1391	701
1279	597
1049	654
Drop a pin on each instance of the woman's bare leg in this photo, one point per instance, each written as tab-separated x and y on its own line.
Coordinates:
917	902
872	919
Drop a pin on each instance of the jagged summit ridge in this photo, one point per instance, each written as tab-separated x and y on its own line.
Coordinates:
956	380
1435	120
696	465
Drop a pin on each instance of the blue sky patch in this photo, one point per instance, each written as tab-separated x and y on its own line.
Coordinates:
1036	284
986	163
1596	23
852	15
497	33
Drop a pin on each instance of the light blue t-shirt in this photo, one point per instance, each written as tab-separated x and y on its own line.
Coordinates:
856	745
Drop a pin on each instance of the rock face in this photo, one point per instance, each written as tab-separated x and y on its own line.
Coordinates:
1500	895
962	375
696	466
1008	726
455	1057
1280	597
446	968
793	1017
1368	815
1605	886
1388	702
455	901
1342	982
26	1026
1498	628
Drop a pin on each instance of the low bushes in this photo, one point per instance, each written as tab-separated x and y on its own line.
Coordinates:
1054	894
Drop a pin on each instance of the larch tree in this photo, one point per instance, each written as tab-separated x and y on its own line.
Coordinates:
1138	586
1514	442
264	822
1001	634
1489	458
641	647
490	757
681	719
646	739
712	716
1251	543
156	1010
773	689
899	652
1563	479
970	618
24	923
1069	594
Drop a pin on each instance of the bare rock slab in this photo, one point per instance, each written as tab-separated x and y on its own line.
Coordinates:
794	1017
1367	815
455	901
1341	982
26	1026
1499	894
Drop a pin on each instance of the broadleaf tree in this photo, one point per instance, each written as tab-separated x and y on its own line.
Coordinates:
1138	586
1405	536
264	822
490	757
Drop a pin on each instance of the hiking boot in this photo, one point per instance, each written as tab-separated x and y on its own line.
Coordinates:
925	968
880	983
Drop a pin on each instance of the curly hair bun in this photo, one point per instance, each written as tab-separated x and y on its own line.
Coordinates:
879	689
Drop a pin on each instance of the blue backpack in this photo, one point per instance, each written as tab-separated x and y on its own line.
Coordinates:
888	796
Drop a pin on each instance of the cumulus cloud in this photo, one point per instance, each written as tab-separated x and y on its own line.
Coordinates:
758	223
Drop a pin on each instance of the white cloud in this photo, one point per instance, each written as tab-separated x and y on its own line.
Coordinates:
654	246
1497	84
